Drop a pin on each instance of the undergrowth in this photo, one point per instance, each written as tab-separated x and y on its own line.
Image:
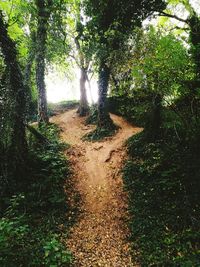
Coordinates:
93	116
100	132
30	226
163	202
133	109
62	106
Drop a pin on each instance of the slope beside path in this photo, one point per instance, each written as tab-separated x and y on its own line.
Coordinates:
100	237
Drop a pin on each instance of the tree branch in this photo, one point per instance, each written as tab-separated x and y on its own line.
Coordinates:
164	14
179	28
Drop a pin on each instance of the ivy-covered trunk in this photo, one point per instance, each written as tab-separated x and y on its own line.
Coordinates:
194	23
17	146
83	106
28	72
104	120
43	17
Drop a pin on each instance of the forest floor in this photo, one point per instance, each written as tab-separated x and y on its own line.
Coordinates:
100	235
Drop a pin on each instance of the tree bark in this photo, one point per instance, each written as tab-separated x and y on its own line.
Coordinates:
90	89
194	23
83	109
18	148
43	17
83	106
27	72
104	120
157	120
154	121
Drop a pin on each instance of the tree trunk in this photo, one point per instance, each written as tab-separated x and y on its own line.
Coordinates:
83	106
104	120
90	89
157	120
154	122
194	23
18	146
42	98
27	73
43	17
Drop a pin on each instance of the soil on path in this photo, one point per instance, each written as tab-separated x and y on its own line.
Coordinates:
100	237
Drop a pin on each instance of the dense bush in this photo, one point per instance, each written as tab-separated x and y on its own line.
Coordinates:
134	108
164	201
162	174
29	226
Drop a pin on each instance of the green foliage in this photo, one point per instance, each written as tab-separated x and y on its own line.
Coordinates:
55	253
13	11
162	174
13	238
93	116
49	166
163	202
30	232
111	22
147	86
134	108
161	63
55	108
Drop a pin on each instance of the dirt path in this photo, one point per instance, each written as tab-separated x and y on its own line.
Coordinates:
100	236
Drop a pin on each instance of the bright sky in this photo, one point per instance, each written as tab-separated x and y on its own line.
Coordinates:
62	88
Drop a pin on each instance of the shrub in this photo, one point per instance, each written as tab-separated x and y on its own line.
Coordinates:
29	227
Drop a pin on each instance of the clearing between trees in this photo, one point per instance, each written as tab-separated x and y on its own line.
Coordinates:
100	236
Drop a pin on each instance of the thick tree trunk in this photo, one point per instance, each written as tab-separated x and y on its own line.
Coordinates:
104	120
43	16
14	79
83	106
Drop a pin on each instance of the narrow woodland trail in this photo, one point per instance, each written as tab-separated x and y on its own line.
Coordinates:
100	237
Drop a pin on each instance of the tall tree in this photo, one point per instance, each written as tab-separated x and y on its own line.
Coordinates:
79	50
83	63
110	24
44	11
193	23
14	82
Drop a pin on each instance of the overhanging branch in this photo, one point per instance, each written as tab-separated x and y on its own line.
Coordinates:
164	14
